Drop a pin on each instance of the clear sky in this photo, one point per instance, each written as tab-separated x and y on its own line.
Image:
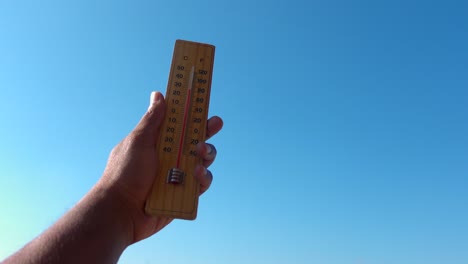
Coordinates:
345	137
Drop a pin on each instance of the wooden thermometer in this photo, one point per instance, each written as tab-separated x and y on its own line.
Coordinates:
175	190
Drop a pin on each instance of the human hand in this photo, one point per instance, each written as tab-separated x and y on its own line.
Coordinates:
111	215
132	166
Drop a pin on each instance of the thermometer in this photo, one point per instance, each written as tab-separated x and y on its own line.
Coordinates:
175	191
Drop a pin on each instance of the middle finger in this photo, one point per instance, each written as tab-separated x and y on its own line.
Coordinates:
207	152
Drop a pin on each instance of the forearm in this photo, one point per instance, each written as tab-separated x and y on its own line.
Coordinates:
96	230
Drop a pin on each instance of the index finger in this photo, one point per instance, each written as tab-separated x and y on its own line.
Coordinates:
213	126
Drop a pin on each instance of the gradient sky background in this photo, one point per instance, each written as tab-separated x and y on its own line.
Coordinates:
346	123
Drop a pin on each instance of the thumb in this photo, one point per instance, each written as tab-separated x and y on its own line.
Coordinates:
154	116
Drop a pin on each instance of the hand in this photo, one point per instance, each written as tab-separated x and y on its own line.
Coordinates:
111	215
132	166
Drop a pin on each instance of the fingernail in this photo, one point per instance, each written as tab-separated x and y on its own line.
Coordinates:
203	171
159	97
208	149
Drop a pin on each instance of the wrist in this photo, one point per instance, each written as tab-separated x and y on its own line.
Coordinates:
115	212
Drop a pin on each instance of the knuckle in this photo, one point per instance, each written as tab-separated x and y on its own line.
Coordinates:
135	136
114	150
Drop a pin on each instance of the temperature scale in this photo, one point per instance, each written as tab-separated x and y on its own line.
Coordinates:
175	191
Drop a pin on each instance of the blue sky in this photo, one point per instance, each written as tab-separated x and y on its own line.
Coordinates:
345	137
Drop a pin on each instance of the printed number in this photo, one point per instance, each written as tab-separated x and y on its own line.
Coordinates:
175	101
167	149
197	120
180	68
203	72
179	75
178	84
169	139
201	81
198	109
201	90
195	131
170	129
194	141
175	92
200	100
172	119
173	110
193	153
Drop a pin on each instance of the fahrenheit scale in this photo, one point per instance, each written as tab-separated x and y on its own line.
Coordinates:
175	191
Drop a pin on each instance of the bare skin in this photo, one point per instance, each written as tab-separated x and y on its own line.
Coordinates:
111	216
